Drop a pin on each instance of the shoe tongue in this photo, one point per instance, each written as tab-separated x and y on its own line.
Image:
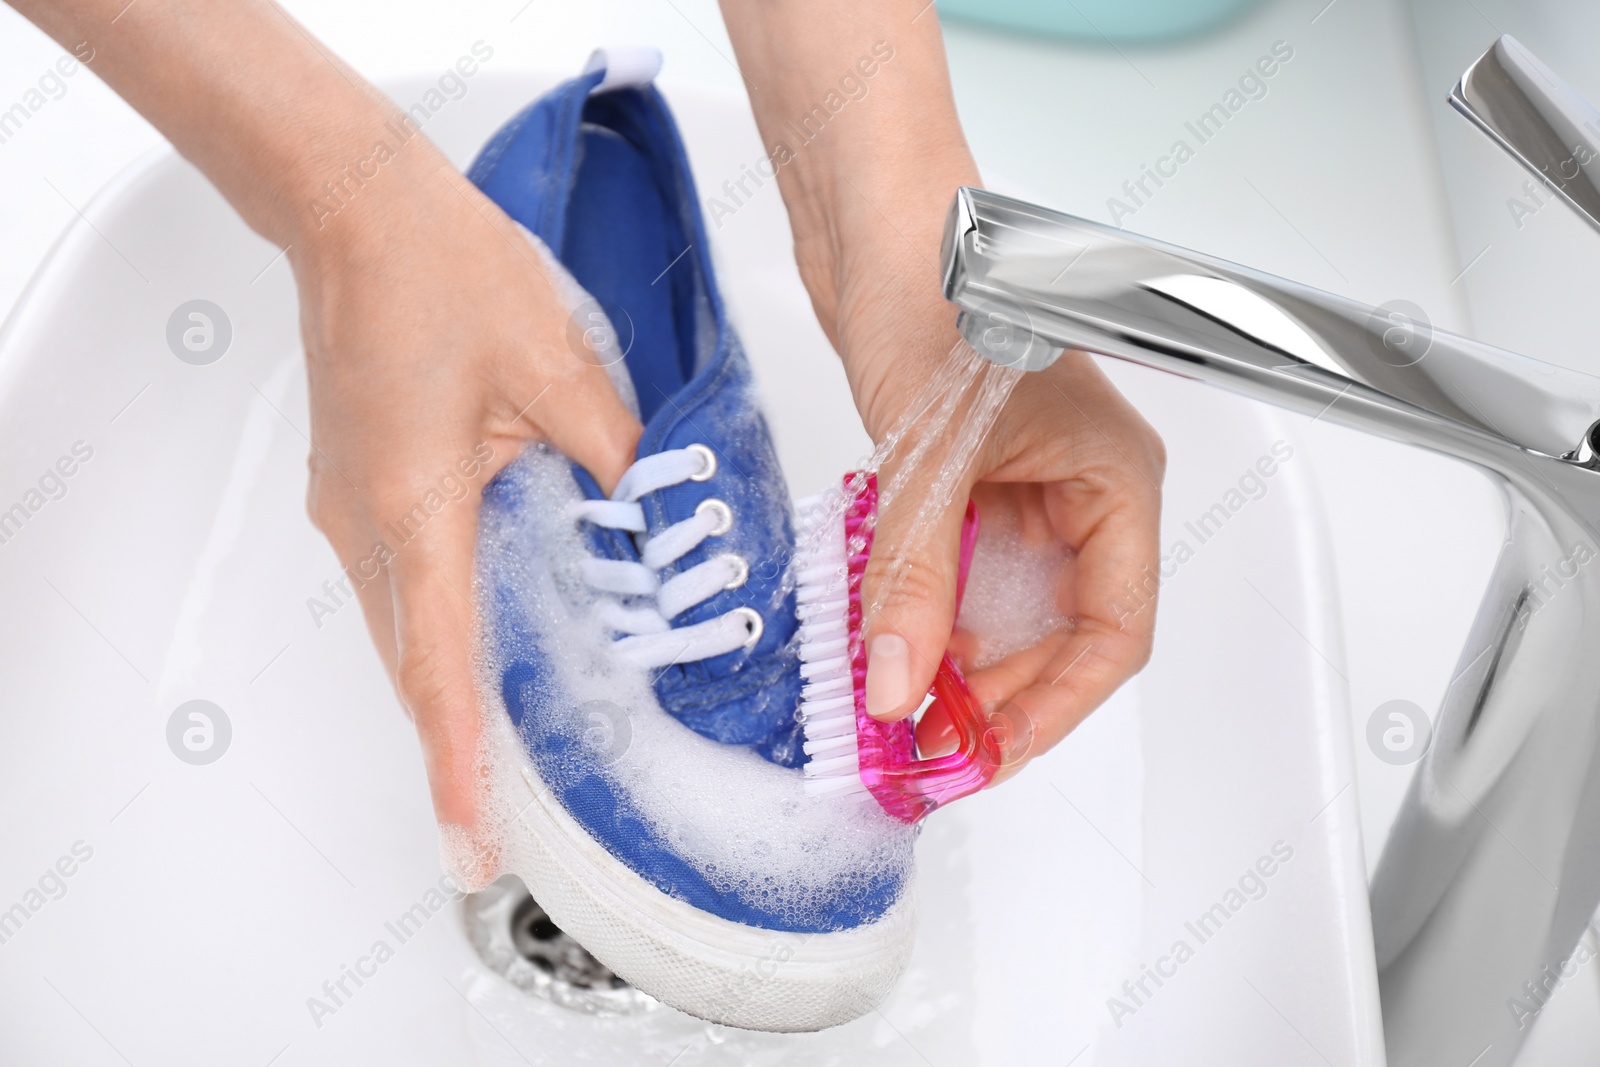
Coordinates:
587	485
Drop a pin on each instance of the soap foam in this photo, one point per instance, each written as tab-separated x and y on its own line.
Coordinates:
743	823
1012	598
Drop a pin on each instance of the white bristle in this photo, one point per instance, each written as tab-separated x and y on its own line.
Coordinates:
839	685
827	668
844	784
821	574
829	707
822	643
827	698
833	765
843	744
837	726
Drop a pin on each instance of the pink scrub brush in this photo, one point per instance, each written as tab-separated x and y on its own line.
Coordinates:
849	750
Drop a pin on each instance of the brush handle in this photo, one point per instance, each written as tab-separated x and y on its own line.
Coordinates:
905	786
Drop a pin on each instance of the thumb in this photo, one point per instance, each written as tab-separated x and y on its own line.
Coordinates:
562	383
585	419
909	597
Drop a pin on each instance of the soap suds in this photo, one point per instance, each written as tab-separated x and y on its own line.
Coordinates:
744	824
1013	590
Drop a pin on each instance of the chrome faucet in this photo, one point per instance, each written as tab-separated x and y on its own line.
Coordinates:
1491	872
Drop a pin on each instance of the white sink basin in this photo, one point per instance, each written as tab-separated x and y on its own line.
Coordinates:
217	899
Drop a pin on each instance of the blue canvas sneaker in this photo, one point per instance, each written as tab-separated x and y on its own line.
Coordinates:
645	772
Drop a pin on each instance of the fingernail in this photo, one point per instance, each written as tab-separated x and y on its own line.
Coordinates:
888	675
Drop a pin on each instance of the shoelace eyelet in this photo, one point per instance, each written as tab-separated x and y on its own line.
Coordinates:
724	515
754	623
709	458
741	572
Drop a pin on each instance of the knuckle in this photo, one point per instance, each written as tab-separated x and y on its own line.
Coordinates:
423	678
1142	649
1145	448
392	499
323	505
1156	450
902	579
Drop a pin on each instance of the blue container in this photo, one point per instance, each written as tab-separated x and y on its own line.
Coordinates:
1120	21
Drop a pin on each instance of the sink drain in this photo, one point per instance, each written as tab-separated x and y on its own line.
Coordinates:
518	941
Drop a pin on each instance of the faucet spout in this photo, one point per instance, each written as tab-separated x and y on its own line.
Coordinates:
1492	870
1031	282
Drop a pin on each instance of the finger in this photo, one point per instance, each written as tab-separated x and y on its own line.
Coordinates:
908	594
1109	643
578	410
431	581
333	509
1006	678
557	379
965	648
995	686
936	733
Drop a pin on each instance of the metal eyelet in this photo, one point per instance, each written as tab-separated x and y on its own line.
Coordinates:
709	458
724	515
754	624
741	571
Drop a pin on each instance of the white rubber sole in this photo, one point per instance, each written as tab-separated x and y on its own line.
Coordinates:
721	971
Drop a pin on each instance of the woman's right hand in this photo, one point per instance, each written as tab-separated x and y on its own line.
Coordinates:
436	343
436	348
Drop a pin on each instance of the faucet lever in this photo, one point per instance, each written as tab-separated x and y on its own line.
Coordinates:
1540	120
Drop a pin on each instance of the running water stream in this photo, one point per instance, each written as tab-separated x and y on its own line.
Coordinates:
926	456
930	449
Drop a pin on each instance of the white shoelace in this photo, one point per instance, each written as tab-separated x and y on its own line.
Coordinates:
649	637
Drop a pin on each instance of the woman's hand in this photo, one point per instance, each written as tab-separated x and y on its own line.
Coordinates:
435	342
1068	465
436	349
1068	461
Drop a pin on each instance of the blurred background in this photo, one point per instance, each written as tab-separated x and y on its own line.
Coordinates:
1346	171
